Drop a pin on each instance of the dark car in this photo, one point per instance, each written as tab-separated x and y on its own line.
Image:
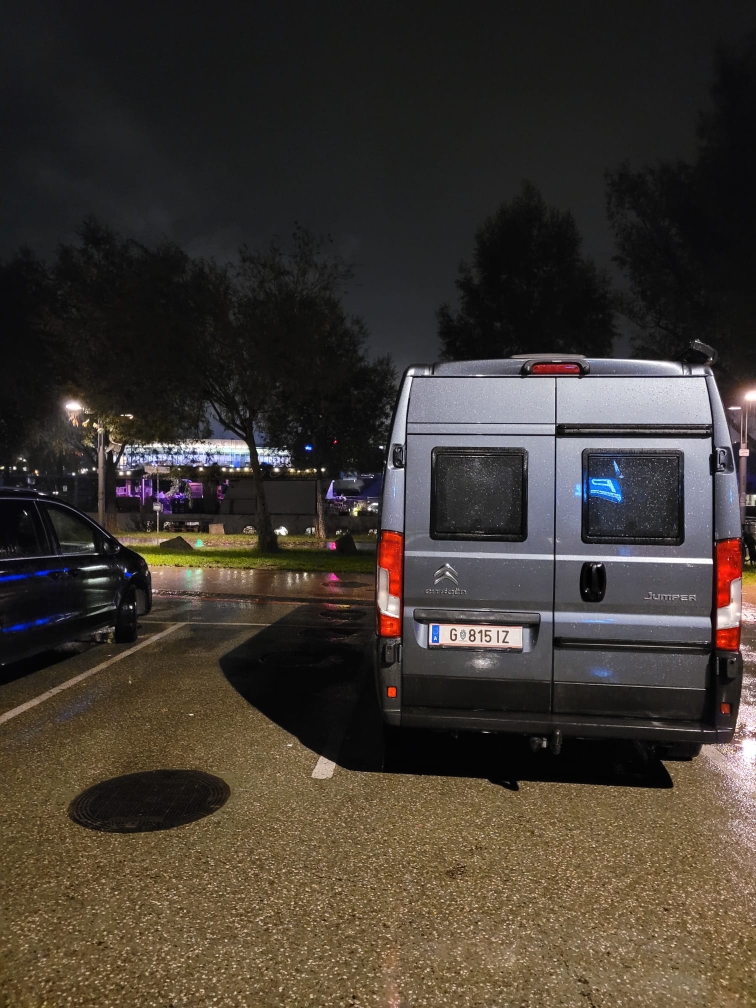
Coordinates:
62	577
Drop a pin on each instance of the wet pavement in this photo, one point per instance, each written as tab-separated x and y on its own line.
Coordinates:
296	586
470	872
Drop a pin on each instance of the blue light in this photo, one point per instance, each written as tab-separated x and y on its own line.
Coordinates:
608	489
17	627
308	447
578	490
33	574
603	673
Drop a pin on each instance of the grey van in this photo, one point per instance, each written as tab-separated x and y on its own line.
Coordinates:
559	553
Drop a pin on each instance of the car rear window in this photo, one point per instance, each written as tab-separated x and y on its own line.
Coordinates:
633	497
479	493
20	532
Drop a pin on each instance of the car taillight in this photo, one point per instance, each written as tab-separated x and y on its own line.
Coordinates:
728	569
389	584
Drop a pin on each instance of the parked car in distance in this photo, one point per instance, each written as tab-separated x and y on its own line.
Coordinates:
62	577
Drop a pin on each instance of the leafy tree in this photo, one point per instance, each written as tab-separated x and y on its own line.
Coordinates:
684	231
528	289
239	350
282	357
333	406
29	373
124	325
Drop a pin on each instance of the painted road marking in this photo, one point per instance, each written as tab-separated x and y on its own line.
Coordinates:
324	769
201	622
84	675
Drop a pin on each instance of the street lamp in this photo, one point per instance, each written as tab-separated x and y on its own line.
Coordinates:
75	410
748	398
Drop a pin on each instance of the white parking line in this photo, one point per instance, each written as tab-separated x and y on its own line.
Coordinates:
84	675
324	769
201	622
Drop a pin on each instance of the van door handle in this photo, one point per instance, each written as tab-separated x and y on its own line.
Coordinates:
592	582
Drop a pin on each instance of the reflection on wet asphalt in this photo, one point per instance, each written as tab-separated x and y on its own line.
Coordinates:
468	872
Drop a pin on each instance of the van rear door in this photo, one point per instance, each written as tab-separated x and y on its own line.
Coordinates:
479	551
634	533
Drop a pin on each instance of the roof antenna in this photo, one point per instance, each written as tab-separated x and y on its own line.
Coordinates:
699	353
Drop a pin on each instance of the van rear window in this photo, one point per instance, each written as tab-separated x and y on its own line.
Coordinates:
479	493
633	497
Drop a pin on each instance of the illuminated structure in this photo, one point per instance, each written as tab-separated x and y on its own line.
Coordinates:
225	452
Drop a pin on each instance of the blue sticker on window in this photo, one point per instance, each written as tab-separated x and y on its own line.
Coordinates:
608	489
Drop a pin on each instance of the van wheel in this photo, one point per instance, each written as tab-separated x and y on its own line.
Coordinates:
678	751
126	619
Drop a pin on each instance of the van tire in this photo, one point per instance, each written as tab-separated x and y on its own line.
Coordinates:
678	751
125	631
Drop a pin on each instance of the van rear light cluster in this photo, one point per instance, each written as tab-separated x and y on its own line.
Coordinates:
389	584
728	569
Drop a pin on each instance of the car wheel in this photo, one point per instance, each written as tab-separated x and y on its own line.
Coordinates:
678	751
126	619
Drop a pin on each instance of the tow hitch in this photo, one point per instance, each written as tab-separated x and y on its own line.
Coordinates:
553	742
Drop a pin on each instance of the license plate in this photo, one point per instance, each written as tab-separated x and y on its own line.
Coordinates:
474	636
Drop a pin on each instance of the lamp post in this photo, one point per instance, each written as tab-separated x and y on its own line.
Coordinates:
749	398
74	410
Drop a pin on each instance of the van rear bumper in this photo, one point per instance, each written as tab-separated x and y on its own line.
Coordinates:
570	725
708	725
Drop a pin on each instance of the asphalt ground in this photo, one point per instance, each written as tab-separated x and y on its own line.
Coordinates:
470	872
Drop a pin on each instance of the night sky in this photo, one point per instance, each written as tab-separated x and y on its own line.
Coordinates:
396	127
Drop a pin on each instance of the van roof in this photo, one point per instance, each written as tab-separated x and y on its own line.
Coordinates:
595	367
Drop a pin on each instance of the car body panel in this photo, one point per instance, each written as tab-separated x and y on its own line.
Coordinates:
47	600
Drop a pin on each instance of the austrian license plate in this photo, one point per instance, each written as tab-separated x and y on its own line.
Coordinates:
474	636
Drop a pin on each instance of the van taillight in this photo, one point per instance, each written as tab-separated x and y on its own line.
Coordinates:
728	569
556	369
389	584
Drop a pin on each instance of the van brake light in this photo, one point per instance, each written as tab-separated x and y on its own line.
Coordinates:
728	569
389	584
556	369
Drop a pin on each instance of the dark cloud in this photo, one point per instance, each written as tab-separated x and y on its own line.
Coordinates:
394	126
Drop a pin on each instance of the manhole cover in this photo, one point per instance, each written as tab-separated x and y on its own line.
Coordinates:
328	633
343	615
345	584
149	801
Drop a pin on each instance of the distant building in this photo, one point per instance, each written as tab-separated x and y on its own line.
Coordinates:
228	452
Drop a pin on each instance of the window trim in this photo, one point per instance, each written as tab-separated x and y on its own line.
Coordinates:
479	537
46	506
635	540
